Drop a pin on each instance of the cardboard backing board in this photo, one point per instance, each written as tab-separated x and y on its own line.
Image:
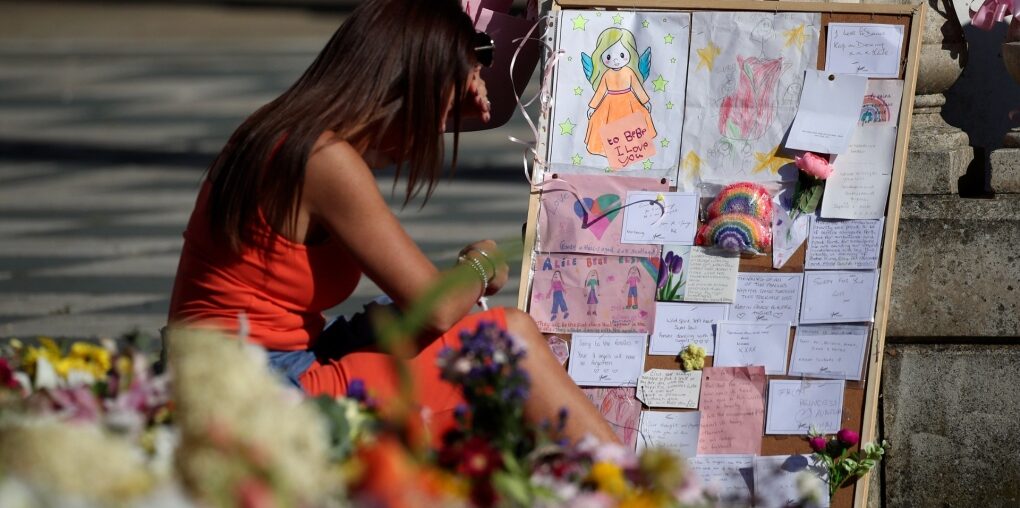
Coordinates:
860	400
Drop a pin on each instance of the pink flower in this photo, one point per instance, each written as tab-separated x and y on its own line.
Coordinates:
817	444
814	165
848	437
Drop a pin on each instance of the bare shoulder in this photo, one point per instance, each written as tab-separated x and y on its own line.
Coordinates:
335	173
330	154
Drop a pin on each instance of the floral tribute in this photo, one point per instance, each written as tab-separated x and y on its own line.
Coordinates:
845	465
94	424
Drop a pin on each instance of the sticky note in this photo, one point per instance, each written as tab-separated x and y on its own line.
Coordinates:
627	141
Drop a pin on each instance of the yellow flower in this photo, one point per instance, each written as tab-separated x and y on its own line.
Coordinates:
693	357
608	477
643	500
47	349
90	358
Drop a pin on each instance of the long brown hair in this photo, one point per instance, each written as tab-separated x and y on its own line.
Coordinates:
391	67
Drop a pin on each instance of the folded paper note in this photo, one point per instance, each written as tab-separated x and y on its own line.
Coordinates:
828	113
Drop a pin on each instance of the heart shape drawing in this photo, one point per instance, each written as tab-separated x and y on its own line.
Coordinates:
598	219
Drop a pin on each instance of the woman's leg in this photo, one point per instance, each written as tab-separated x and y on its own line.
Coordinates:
551	387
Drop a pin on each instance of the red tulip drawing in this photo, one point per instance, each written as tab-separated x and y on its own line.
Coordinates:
747	113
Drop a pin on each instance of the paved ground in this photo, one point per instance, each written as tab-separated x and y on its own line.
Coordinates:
109	115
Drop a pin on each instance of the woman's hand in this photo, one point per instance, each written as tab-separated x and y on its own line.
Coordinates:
476	101
492	259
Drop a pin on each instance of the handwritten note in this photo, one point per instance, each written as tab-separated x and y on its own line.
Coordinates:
670	388
767	297
844	244
627	141
607	359
732	410
778	481
797	406
865	49
677	432
739	344
680	324
731	477
828	112
839	296
712	276
660	218
829	351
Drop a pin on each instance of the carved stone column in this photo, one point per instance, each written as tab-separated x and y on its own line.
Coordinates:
1005	161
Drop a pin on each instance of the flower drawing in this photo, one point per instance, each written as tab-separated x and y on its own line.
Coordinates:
747	113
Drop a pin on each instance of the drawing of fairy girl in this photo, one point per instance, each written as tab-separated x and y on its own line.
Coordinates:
592	283
616	73
633	279
557	290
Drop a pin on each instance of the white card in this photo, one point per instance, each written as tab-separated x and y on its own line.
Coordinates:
859	185
712	276
865	49
670	388
788	234
680	324
778	482
829	351
839	296
796	406
767	297
676	432
729	476
607	359
741	344
830	106
673	219
844	244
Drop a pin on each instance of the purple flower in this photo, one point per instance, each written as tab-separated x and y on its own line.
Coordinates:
848	437
676	265
356	390
660	280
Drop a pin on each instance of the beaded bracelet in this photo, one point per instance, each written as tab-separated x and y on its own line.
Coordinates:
477	265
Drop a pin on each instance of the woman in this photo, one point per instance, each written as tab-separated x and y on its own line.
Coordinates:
290	216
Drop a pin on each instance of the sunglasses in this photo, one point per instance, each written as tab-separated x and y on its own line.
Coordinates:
484	47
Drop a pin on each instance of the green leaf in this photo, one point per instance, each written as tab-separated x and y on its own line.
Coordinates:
808	196
513	488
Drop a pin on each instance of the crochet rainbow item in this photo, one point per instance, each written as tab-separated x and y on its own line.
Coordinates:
743	197
736	231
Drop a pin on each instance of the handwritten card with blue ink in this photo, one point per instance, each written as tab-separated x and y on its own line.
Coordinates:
731	477
780	480
830	106
660	218
871	50
742	344
585	214
796	406
607	359
829	351
670	388
676	432
839	296
767	297
712	275
844	244
680	324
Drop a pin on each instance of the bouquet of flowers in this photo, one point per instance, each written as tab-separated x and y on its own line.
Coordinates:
845	466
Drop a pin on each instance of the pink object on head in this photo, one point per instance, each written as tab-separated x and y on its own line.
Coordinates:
814	165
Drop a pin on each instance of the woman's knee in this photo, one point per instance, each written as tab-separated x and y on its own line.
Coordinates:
519	321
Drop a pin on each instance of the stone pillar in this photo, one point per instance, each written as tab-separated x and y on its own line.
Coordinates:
1005	161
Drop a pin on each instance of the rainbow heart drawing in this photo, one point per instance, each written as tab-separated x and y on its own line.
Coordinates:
601	212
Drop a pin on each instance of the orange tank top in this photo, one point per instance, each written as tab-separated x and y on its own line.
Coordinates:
282	291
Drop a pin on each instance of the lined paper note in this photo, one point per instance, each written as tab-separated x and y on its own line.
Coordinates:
712	276
828	112
607	359
732	410
795	407
844	244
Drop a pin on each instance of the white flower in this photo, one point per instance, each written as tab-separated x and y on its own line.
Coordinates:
810	488
462	366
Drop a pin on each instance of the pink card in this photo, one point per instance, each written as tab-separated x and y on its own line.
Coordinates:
572	293
627	140
620	408
584	214
732	410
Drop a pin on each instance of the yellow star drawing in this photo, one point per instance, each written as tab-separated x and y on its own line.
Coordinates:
692	165
770	161
664	143
647	164
706	56
795	36
660	84
672	60
617	19
579	22
578	90
644	24
567	127
668	38
576	159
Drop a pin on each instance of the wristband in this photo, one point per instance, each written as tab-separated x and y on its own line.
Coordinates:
485	255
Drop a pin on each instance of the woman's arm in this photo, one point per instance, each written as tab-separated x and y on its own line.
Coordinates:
341	192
